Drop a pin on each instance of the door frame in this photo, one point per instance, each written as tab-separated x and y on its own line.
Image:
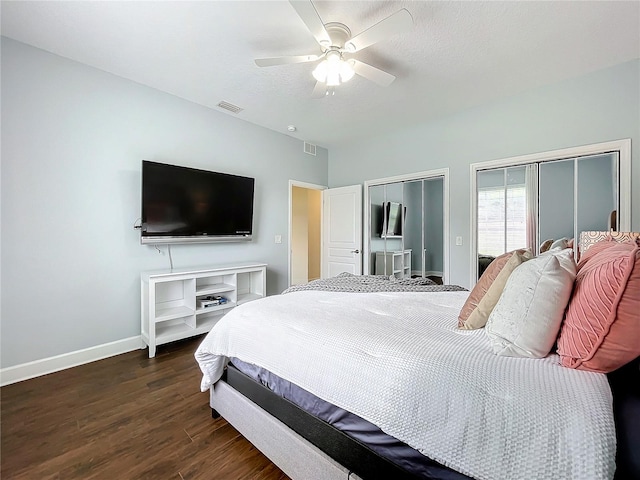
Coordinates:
623	147
309	186
441	172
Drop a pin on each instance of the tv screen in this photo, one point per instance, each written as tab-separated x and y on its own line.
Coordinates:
392	221
181	204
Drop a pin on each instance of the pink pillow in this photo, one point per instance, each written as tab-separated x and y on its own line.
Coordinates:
601	331
485	281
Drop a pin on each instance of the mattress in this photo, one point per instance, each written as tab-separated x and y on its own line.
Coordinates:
398	361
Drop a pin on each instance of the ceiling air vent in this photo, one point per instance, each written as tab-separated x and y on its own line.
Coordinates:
310	148
230	106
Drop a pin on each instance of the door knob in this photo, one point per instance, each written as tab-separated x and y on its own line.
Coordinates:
355	251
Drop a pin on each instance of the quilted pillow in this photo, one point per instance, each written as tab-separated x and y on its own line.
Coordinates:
591	238
601	331
526	320
479	291
480	314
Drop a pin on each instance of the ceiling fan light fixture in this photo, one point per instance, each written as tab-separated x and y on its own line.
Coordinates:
333	78
320	72
346	70
333	70
335	39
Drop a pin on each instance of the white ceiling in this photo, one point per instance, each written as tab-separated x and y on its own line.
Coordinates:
460	54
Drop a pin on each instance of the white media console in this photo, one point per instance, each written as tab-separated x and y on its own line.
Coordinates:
171	300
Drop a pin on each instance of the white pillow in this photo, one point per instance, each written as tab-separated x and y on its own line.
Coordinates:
526	320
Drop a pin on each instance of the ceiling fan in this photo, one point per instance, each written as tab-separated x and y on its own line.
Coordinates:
337	45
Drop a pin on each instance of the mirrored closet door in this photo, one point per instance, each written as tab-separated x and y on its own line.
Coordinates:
405	228
501	212
577	195
534	204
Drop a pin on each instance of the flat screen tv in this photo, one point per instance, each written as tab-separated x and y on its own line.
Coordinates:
183	205
392	223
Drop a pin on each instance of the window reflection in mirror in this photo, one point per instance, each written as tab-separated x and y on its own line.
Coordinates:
534	205
502	213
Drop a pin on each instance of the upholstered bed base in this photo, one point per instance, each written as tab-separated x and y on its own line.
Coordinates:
295	456
302	460
304	445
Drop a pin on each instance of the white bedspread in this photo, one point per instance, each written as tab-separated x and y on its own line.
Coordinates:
398	361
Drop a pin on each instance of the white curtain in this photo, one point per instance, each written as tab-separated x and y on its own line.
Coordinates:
531	188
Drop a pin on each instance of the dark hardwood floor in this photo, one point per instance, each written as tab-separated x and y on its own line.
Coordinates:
125	417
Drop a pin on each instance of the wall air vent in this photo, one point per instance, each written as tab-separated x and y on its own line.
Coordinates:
310	148
230	106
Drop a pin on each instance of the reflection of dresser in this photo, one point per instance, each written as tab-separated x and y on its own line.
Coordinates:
397	264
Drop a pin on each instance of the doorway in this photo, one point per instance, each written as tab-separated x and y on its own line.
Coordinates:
305	232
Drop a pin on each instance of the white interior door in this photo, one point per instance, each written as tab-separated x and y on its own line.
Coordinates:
342	231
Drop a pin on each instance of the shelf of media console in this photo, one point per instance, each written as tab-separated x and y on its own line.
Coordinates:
173	312
211	289
171	333
167	314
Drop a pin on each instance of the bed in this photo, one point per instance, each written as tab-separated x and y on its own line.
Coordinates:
392	356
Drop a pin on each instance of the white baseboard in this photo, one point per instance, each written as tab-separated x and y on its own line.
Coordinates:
37	368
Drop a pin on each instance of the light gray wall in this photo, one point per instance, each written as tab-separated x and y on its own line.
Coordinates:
73	138
597	107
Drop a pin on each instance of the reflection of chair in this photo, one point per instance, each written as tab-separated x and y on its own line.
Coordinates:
613	220
483	263
544	246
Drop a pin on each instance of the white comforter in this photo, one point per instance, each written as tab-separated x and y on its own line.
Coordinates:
398	360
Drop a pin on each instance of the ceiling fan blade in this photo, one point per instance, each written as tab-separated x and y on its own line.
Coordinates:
270	62
312	20
374	74
319	91
399	22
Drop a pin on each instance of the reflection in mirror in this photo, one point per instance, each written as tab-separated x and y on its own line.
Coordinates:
577	195
432	261
385	231
392	221
502	213
571	196
413	237
556	203
406	228
377	197
597	192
